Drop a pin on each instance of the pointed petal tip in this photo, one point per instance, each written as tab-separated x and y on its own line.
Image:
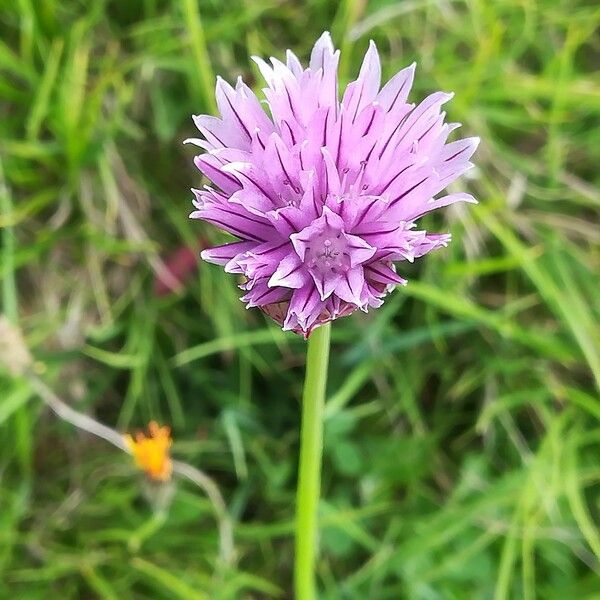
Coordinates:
371	56
470	199
220	83
259	60
323	46
232	269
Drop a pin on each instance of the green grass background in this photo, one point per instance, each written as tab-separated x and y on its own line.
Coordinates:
462	440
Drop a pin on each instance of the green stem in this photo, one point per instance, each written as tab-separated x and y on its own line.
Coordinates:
9	287
311	452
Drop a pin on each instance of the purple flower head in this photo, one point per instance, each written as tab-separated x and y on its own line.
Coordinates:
322	195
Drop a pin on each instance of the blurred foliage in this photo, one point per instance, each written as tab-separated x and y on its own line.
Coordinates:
462	435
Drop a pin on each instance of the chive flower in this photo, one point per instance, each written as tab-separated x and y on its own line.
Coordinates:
322	195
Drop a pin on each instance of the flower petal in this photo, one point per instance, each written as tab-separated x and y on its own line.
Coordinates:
221	255
379	272
395	92
304	309
360	251
350	286
364	90
290	273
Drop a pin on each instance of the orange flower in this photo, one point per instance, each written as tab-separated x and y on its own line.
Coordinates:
151	453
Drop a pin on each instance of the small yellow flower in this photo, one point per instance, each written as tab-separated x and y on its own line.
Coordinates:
151	453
